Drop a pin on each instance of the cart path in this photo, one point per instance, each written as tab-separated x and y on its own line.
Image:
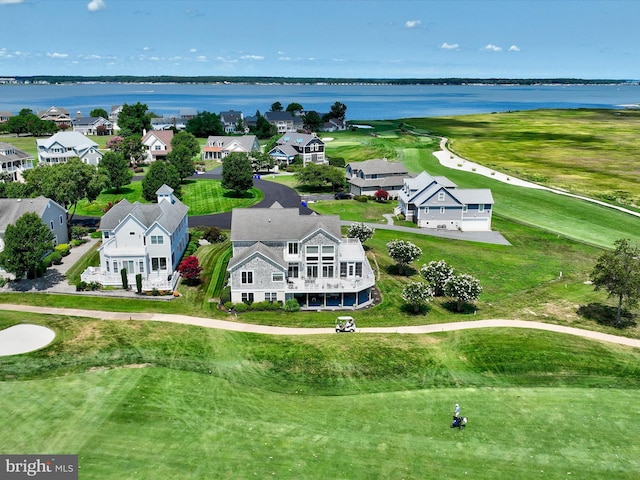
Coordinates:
271	330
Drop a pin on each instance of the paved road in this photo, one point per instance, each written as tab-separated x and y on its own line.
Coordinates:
269	330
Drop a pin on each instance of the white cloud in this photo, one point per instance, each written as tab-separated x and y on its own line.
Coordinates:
193	50
280	52
412	23
10	2
57	55
92	57
450	46
201	58
145	48
514	48
252	57
95	5
284	59
492	48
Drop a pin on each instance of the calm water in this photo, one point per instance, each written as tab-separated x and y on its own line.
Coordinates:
364	102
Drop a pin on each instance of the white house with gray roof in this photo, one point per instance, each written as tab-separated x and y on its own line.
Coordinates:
218	147
369	176
436	202
279	254
14	162
65	145
146	239
308	147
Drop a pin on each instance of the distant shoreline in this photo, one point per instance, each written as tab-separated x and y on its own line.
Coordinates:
129	79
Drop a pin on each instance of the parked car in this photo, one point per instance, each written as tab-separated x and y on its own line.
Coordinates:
343	196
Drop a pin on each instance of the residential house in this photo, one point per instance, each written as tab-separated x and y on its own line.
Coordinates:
308	147
53	215
369	176
5	116
230	121
92	125
60	116
65	145
334	125
279	254
218	147
284	121
437	202
145	239
14	161
113	115
158	144
169	122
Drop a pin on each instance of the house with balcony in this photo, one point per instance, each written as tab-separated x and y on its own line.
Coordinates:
59	116
13	162
145	239
218	147
158	144
436	202
65	145
92	125
230	121
284	121
369	176
306	146
279	254
179	122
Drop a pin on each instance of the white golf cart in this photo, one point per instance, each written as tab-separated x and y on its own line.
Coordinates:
345	324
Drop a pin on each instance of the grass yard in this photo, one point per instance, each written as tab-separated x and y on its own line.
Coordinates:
203	197
321	407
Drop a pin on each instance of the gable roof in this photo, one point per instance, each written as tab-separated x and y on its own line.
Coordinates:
244	143
379	166
230	117
166	214
11	209
283	116
164	136
68	140
259	249
81	121
279	224
298	139
10	153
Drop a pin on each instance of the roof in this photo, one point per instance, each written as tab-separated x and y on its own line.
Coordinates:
165	213
16	153
68	140
279	224
379	166
259	248
11	209
294	138
230	117
88	120
279	116
165	136
245	142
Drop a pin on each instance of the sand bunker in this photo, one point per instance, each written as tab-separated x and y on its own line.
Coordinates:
24	338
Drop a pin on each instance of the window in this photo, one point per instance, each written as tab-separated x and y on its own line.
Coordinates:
481	207
465	209
157	240
440	196
141	266
105	234
158	263
426	210
358	269
328	253
128	266
132	233
312	271
51	223
293	271
60	219
312	253
115	266
441	209
247	297
292	248
327	271
246	277
107	264
277	277
271	297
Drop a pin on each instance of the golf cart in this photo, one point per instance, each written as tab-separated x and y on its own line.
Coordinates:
345	324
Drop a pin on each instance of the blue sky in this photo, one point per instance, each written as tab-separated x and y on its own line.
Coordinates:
309	38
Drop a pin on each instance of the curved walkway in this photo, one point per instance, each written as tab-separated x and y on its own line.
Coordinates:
270	330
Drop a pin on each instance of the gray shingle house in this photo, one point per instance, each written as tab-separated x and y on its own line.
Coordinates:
52	214
437	202
92	126
218	147
146	239
14	161
279	254
65	145
308	147
369	176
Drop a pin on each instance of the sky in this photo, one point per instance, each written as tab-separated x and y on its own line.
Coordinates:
322	38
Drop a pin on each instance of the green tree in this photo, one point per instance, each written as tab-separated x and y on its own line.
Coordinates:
463	288
361	231
237	174
134	119
181	159
205	124
115	169
294	108
276	107
316	176
312	121
263	128
159	173
132	148
187	140
28	123
437	274
262	162
417	294
403	253
338	110
618	273
66	183
99	112
25	243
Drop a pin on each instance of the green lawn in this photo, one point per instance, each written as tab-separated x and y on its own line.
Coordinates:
203	197
174	401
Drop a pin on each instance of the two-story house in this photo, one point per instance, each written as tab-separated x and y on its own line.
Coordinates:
179	122
65	145
92	125
437	202
308	147
279	254
218	147
369	176
145	239
158	144
60	116
5	116
51	213
231	120
14	161
284	121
